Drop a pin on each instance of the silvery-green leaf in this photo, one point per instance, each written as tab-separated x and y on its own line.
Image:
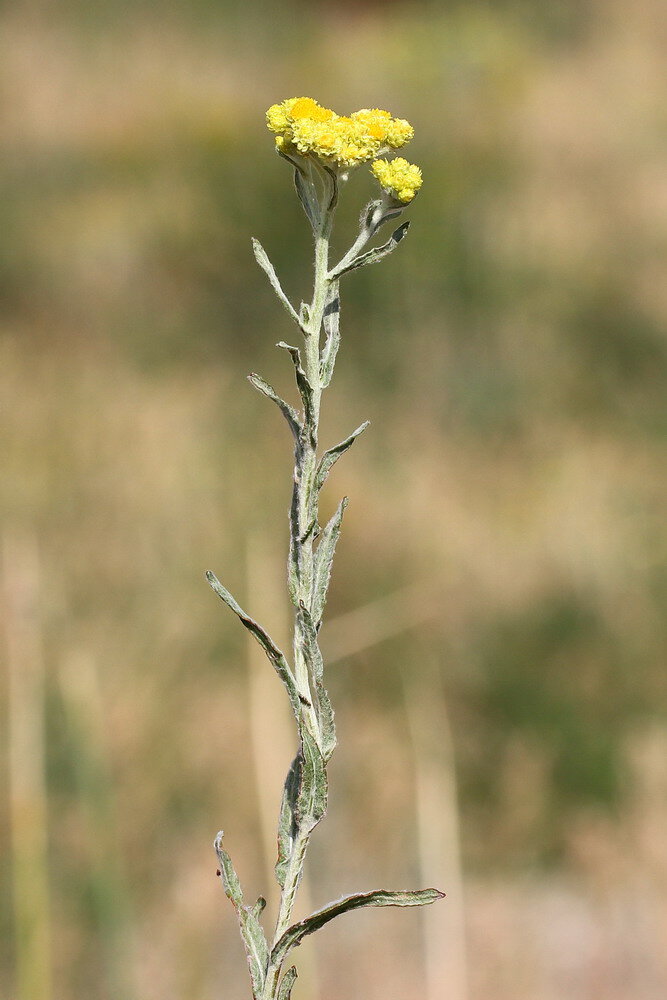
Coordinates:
307	195
331	323
312	801
380	897
313	655
323	561
293	559
286	984
257	949
323	708
382	217
377	253
331	456
254	940
262	259
290	414
325	717
304	386
230	880
333	177
287	828
274	654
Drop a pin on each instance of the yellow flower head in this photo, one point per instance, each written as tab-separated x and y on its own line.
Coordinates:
304	126
399	178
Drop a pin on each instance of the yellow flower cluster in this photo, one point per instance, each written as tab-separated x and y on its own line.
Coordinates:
304	126
398	177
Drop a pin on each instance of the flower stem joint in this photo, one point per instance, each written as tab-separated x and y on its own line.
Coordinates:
322	147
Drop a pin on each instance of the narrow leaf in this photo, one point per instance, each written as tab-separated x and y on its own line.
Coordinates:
381	219
330	457
377	253
331	323
254	940
323	561
287	827
304	386
230	880
325	717
312	801
307	640
274	654
311	649
333	177
380	897
262	259
293	561
286	984
290	414
307	195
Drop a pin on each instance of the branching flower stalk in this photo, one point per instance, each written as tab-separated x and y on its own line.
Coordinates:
321	147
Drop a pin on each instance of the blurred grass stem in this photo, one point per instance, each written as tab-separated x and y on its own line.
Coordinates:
27	778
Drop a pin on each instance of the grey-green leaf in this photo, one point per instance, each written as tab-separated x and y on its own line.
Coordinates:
381	218
331	456
377	253
325	717
304	386
307	195
323	561
323	708
290	414
274	654
380	897
254	940
230	880
287	827
286	984
262	259
312	801
311	650
331	323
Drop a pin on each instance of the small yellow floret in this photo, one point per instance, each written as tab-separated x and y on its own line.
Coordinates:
306	107
399	132
399	178
278	115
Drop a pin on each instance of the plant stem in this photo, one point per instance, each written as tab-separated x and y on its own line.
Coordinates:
306	496
304	529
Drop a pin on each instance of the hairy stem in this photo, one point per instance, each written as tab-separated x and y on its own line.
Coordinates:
304	529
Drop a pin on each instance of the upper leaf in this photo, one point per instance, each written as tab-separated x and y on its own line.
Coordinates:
323	561
380	897
286	984
287	822
262	259
331	456
275	655
331	323
377	253
313	787
254	940
290	414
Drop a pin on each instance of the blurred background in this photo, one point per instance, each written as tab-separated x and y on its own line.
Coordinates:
496	632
